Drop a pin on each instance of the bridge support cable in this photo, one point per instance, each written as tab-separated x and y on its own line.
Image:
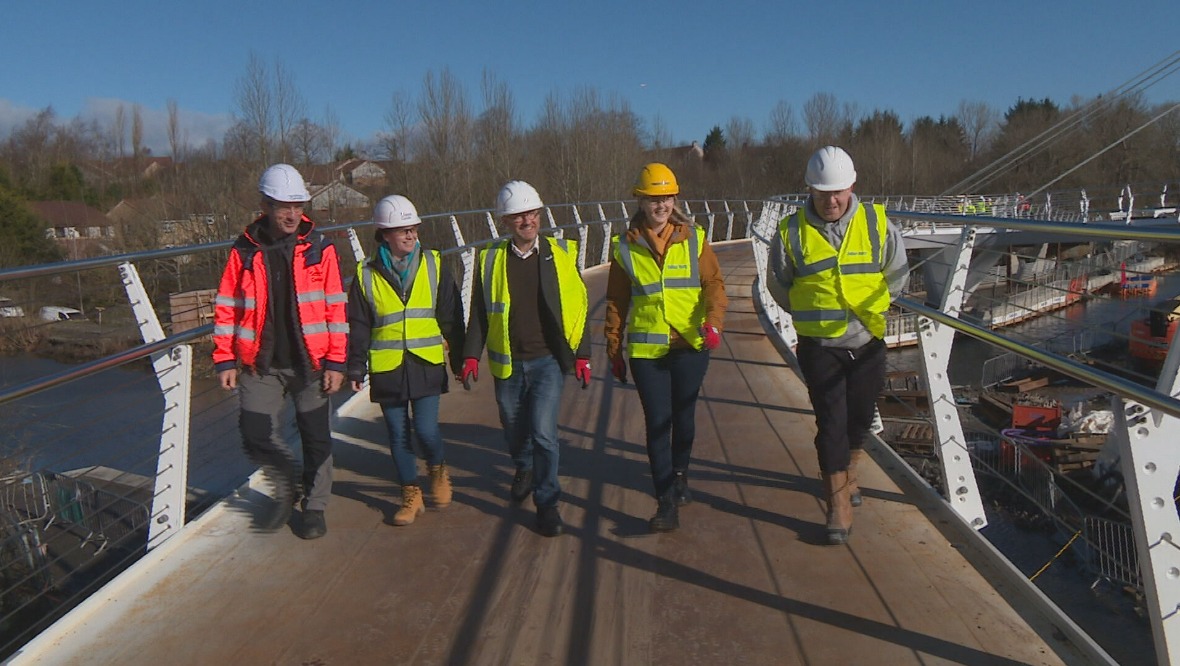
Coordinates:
1116	142
1071	123
934	341
174	373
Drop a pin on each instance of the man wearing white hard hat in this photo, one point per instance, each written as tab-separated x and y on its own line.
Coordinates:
402	306
530	308
280	333
836	265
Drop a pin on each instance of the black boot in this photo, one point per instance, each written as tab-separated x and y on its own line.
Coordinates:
680	488
667	516
522	485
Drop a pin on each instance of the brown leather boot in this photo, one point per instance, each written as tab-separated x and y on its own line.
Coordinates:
839	507
411	506
853	482
440	484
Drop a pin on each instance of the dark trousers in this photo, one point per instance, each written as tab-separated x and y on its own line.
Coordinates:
668	388
843	385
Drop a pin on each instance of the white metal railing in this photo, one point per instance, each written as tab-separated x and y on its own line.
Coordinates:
458	235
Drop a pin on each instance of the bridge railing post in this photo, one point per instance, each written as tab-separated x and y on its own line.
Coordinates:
173	370
934	341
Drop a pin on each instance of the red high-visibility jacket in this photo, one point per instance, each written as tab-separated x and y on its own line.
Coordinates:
240	311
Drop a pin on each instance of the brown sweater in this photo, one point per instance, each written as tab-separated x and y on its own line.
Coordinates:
618	286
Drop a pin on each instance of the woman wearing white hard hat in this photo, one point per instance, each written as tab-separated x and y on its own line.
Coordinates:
402	307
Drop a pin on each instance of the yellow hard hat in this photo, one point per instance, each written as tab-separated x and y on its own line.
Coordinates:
656	180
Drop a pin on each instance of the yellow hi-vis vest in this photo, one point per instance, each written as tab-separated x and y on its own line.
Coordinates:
663	299
403	327
575	302
831	286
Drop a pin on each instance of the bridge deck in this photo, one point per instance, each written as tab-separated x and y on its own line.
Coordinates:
745	580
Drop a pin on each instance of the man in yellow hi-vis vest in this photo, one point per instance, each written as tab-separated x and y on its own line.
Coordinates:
836	265
529	307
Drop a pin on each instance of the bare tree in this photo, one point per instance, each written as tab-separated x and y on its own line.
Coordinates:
823	118
136	133
740	133
659	137
979	122
447	141
289	108
330	124
120	130
174	131
397	141
496	129
254	105
783	125
306	142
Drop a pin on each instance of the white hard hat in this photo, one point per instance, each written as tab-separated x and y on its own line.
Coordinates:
394	212
515	197
830	169
281	182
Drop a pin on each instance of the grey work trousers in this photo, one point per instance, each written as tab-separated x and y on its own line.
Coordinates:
263	397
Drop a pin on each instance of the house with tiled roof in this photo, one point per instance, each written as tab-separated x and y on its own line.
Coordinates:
81	231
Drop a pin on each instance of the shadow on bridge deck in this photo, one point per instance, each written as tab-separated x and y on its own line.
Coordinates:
745	580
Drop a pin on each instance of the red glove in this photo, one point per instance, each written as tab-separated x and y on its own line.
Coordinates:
618	368
712	337
470	372
582	371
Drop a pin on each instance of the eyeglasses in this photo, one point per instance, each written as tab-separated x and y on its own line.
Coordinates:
402	231
530	215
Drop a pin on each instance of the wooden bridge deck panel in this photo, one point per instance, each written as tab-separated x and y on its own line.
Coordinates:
745	580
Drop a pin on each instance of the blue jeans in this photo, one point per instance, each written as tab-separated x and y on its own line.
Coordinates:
425	417
529	402
668	388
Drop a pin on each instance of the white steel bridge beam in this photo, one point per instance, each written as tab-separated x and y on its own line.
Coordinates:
934	341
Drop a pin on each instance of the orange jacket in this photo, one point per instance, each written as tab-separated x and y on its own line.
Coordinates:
240	314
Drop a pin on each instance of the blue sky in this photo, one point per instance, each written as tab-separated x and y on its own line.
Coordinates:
688	65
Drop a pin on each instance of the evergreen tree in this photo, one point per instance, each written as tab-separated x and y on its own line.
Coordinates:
24	236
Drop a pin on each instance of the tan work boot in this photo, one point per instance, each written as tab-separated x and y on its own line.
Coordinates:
854	496
839	507
440	484
411	506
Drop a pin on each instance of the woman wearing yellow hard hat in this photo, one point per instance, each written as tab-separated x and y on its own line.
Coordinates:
666	291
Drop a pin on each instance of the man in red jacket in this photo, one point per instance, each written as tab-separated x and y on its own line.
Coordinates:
280	331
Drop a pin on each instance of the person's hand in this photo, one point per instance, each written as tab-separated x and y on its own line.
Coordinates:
357	386
582	371
333	381
712	337
228	379
470	372
618	368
